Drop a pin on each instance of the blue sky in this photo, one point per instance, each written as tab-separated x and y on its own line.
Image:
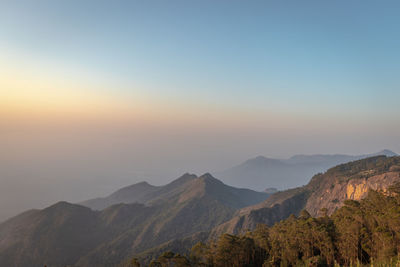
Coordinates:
95	95
232	65
281	54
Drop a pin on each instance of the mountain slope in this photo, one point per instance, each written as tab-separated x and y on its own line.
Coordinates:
197	205
261	172
137	193
70	234
130	194
191	184
326	191
55	236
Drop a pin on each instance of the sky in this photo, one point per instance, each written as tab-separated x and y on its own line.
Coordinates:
95	95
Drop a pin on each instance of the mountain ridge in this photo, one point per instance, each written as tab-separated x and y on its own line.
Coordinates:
149	195
187	210
262	172
325	193
106	237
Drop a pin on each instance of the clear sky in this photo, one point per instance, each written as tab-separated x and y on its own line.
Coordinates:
126	89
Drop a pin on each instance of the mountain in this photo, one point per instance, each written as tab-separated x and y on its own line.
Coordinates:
67	234
175	216
365	231
138	193
352	180
148	194
56	236
325	193
129	194
261	172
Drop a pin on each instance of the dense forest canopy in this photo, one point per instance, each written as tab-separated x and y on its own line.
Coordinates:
360	233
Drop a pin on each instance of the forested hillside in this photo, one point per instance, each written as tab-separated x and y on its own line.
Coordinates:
327	190
359	233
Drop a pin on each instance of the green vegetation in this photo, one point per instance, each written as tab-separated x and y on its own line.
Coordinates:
198	209
358	234
365	168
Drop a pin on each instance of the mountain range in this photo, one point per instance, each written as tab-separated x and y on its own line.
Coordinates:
260	173
72	234
188	185
324	194
142	220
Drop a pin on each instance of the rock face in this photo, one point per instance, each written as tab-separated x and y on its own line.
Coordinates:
324	193
247	219
332	197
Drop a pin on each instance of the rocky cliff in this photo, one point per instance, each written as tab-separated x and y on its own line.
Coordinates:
323	194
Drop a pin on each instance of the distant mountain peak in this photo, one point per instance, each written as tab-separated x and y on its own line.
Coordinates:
62	204
316	155
387	152
141	192
263	172
258	159
143	183
207	176
210	181
182	180
187	176
261	160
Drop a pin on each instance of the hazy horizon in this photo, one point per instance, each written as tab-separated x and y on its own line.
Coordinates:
95	96
37	185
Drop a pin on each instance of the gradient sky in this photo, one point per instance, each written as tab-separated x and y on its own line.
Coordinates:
122	91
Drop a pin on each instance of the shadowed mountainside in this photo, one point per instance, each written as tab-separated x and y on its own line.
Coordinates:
175	216
148	194
325	193
71	234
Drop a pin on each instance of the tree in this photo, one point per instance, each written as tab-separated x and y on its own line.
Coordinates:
360	232
134	262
